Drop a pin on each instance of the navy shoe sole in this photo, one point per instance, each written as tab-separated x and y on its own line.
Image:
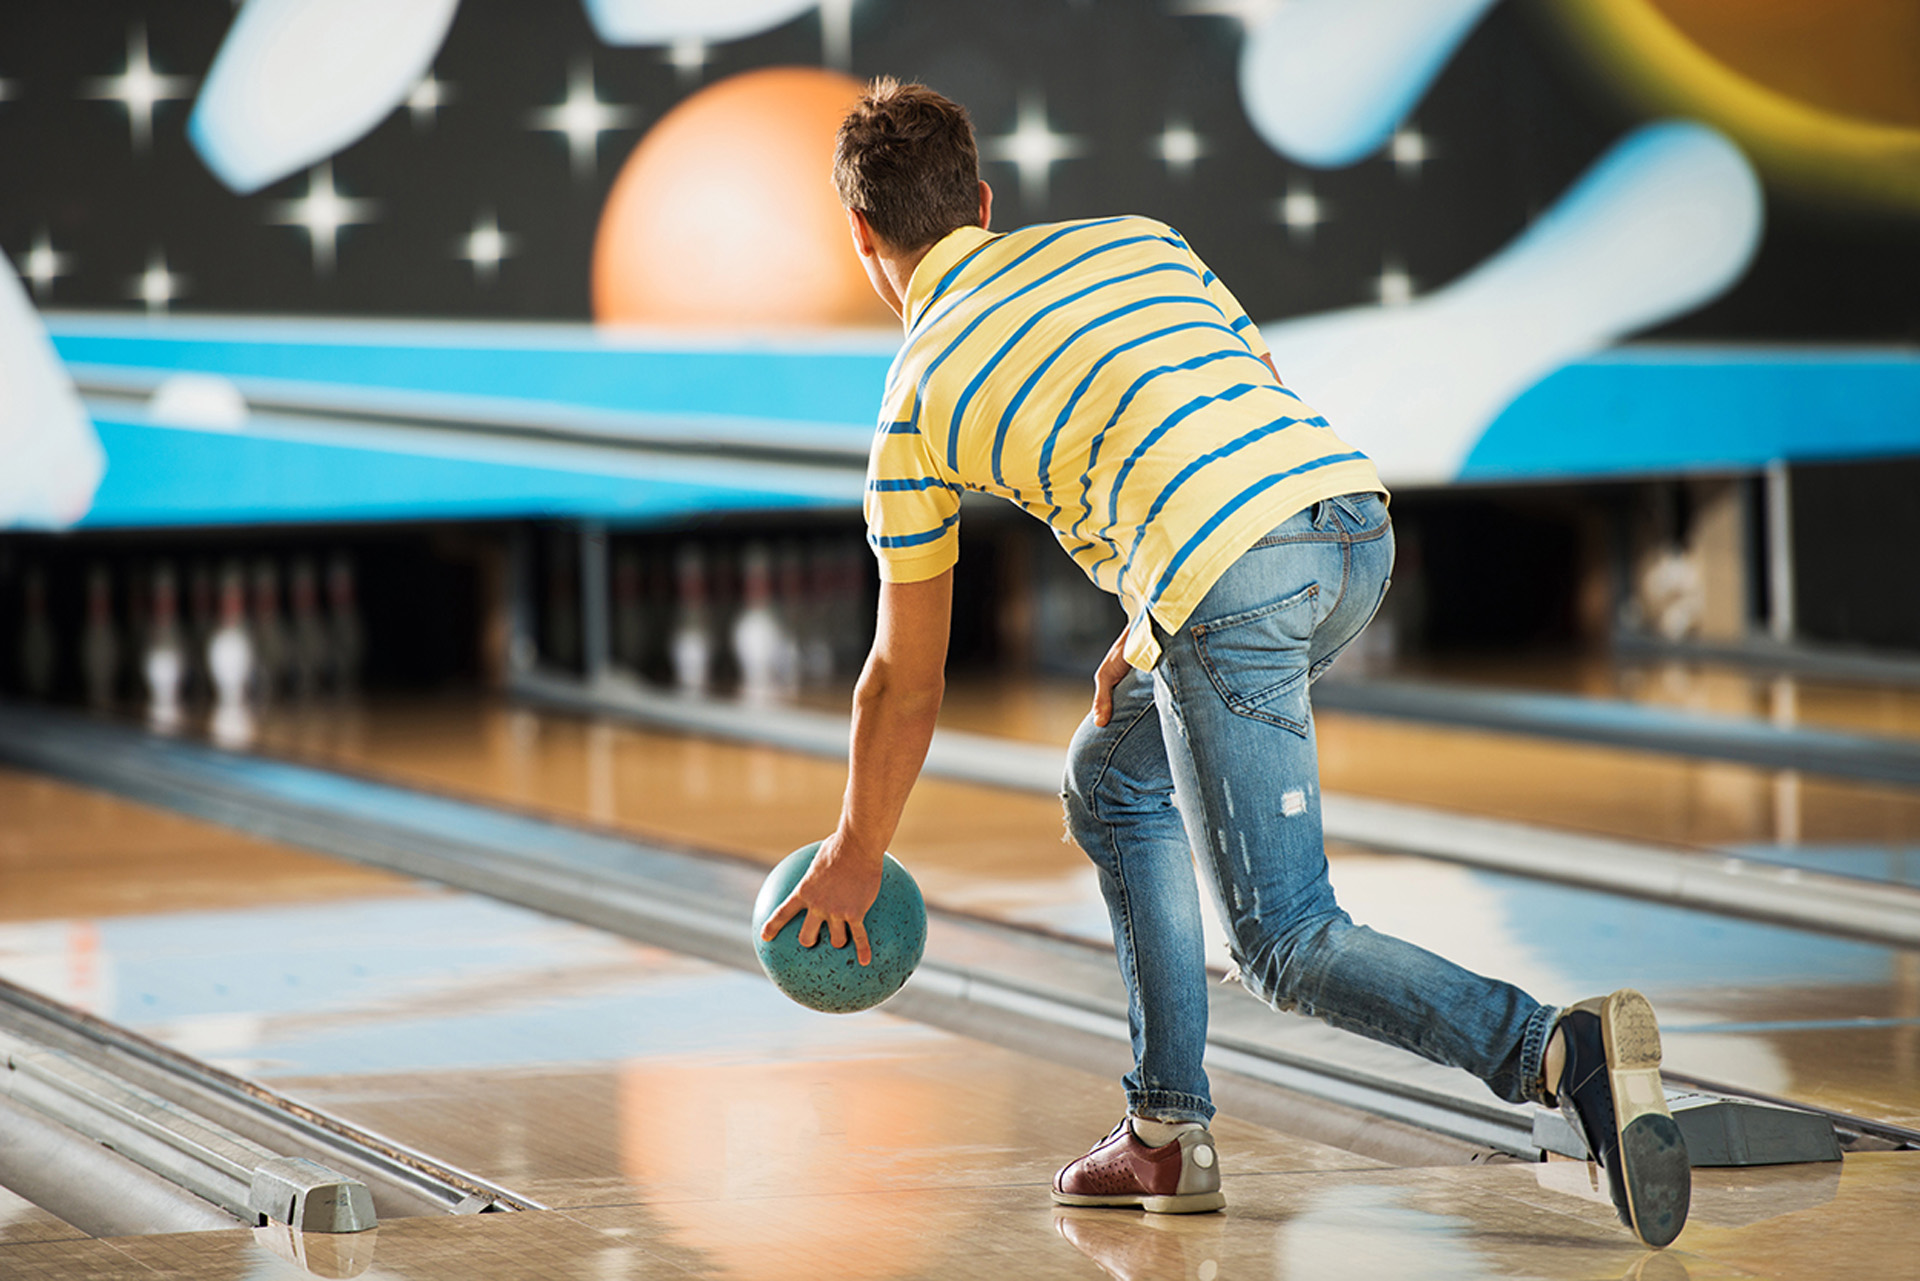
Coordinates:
1655	1172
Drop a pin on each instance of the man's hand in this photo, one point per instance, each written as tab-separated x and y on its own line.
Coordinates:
894	709
836	892
1113	669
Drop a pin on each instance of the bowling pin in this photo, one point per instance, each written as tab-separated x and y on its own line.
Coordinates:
163	663
1325	82
295	81
270	656
691	643
757	639
1664	222
347	638
230	662
309	643
38	649
99	648
53	459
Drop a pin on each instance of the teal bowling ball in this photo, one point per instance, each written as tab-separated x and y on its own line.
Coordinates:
829	978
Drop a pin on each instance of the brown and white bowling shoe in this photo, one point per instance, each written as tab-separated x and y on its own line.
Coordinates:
1183	1177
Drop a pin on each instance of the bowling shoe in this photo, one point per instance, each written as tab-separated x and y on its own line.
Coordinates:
1183	1177
1611	1094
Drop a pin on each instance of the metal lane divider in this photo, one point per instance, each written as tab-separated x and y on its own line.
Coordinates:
237	1144
209	1160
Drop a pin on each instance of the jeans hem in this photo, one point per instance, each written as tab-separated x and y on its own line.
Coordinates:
1533	1053
1169	1105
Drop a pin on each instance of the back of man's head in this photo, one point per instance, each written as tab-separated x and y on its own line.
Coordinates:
906	160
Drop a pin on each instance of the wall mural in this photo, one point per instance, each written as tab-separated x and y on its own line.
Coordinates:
1445	211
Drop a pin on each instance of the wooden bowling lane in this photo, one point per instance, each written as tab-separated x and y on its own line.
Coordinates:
1719	689
68	852
1788	1223
1646	796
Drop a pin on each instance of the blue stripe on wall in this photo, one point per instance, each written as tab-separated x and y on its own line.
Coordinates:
1655	409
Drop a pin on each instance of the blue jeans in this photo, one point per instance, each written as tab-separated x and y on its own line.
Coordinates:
1210	760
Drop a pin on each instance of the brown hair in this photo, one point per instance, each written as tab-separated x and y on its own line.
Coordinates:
905	158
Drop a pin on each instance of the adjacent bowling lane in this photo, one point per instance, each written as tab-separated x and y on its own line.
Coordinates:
1721	689
67	852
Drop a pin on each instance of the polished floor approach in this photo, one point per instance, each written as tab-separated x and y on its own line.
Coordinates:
681	1119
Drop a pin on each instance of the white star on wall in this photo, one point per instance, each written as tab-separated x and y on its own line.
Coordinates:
1033	149
156	286
427	98
485	246
138	88
583	118
321	213
1393	286
1178	146
1300	210
44	264
1409	151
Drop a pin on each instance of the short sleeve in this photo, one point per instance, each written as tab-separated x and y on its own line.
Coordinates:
912	506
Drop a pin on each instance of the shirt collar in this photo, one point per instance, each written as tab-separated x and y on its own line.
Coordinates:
933	268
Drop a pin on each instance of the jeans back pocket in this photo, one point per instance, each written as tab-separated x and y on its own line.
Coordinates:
1257	660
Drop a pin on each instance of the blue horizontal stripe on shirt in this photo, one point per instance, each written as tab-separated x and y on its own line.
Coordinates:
1006	419
907	428
1073	401
1154	437
909	483
926	308
926	312
953	428
1242	323
914	540
1234	504
1093	448
1186	473
1019	398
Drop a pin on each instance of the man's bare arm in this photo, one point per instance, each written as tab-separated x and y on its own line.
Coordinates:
894	708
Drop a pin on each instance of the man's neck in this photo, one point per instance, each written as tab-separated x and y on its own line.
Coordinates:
897	267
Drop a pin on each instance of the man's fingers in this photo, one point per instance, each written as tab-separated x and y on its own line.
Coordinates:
781	915
860	945
839	933
810	930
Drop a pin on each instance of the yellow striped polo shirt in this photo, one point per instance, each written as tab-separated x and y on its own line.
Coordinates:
1097	374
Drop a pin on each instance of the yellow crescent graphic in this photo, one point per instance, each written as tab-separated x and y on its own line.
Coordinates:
1795	145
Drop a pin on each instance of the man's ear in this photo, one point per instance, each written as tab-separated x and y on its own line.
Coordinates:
986	203
864	243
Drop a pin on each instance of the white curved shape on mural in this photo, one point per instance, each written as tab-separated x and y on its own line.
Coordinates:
52	461
1326	81
205	402
640	22
1664	222
297	80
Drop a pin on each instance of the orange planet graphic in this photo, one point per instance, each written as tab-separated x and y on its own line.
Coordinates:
725	214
